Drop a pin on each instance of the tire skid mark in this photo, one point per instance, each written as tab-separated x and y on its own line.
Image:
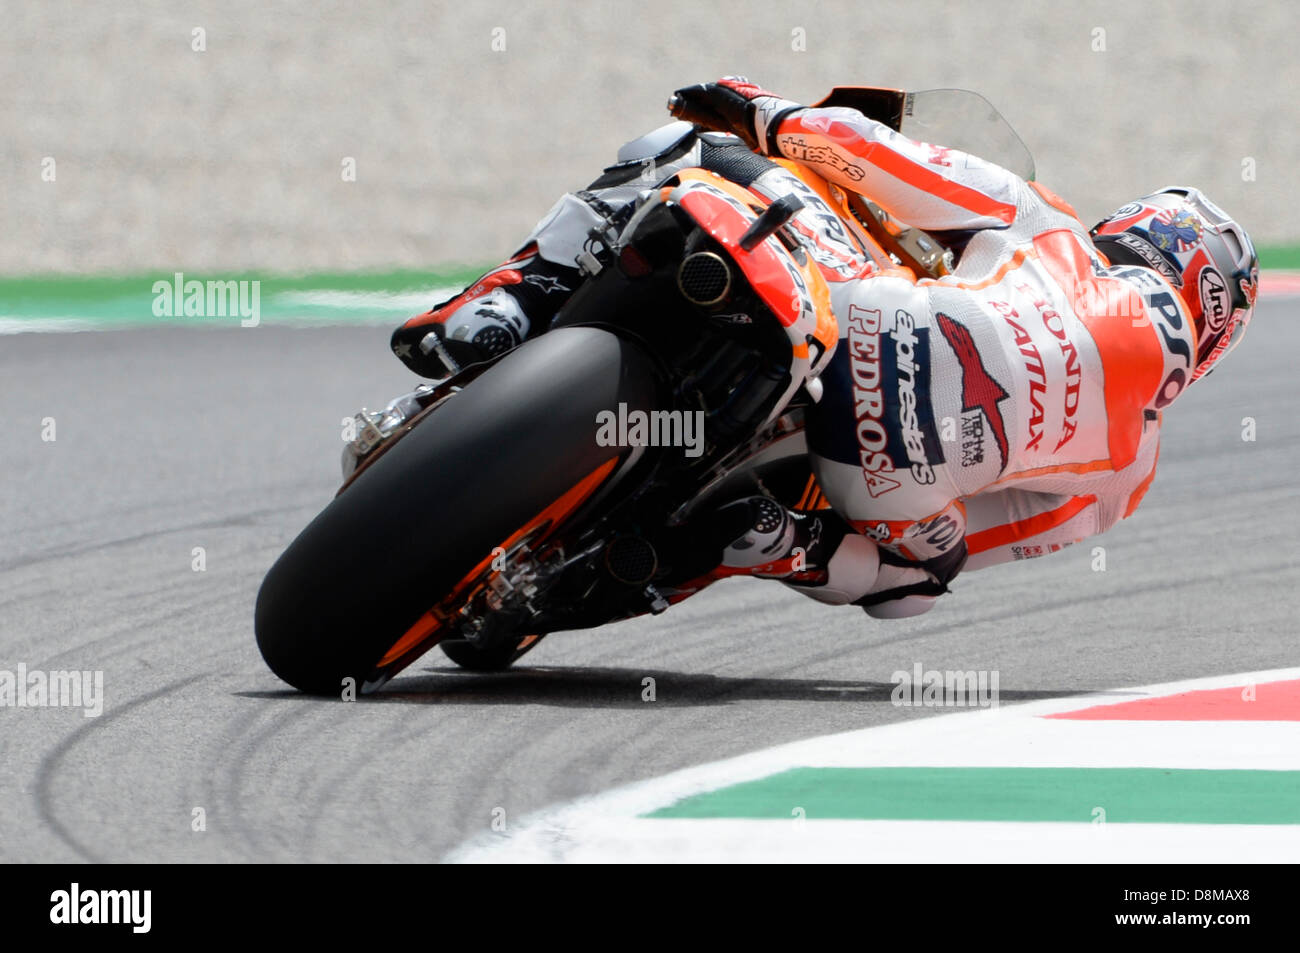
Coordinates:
225	522
47	770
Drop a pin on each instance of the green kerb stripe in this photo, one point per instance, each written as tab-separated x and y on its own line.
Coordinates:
109	301
129	299
1126	795
1280	257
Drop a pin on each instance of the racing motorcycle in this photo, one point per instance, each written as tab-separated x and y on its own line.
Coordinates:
484	511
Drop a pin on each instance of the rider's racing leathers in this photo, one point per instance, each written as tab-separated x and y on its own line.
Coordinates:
1001	412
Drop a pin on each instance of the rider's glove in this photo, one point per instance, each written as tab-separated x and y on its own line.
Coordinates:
734	104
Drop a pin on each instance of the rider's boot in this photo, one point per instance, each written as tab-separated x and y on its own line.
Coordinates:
508	304
493	315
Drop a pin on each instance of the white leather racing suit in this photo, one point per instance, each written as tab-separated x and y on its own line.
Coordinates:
1005	410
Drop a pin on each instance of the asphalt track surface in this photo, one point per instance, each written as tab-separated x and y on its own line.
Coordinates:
171	439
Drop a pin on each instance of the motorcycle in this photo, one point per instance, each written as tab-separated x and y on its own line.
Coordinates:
527	494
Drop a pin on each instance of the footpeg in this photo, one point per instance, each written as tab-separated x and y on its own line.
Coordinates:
657	601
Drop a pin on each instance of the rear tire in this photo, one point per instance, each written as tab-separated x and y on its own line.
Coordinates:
418	520
496	659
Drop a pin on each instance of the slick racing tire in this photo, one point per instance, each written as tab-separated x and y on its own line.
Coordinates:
430	510
497	658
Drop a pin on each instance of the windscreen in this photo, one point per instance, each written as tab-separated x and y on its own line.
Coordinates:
961	119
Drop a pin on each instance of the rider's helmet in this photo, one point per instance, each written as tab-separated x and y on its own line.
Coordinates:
1204	254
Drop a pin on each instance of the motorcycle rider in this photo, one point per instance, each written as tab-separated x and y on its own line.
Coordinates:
1003	411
